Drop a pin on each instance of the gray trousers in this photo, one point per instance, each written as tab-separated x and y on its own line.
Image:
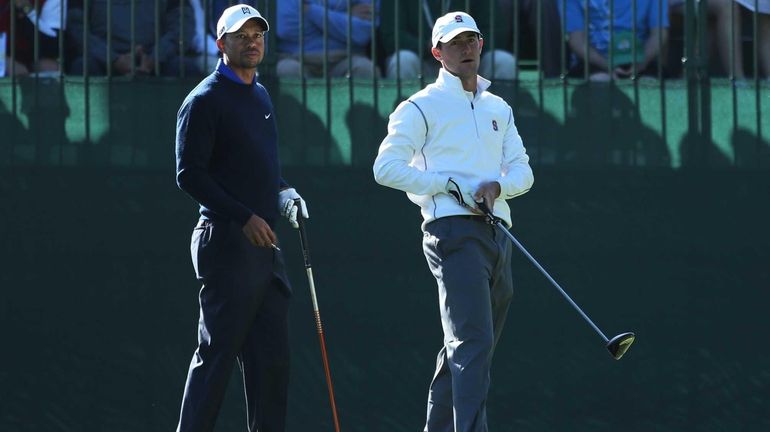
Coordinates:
471	261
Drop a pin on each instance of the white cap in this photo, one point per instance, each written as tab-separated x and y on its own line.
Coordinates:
233	18
451	25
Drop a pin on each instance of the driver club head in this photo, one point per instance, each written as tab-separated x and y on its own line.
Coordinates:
618	345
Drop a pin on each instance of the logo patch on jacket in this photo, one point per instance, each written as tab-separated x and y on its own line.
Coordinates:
494	125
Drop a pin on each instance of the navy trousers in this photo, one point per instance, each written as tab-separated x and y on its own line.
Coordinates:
244	318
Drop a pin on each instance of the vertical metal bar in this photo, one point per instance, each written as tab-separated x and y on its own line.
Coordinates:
705	83
303	79
757	89
515	33
206	18
301	39
60	43
327	83
634	81
731	73
133	37
612	84
349	45
374	44
633	41
755	44
12	42
563	62
86	61
420	47
397	53
491	35
661	83
563	47
12	69
36	43
35	115
690	69
375	93
156	54
181	48
660	42
539	29
60	84
108	65
326	43
610	54
540	102
586	45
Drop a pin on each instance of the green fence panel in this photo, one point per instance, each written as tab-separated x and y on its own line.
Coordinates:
130	123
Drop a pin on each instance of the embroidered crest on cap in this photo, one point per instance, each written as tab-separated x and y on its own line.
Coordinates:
458	18
494	124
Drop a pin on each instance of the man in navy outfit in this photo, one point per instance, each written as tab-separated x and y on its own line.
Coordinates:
227	161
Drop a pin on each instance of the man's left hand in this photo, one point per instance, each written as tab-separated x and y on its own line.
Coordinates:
288	207
487	193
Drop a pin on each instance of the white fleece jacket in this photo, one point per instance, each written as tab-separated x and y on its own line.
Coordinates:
444	131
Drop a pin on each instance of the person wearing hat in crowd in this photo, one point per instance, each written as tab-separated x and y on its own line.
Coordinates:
227	161
450	146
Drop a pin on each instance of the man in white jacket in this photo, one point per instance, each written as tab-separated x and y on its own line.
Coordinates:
450	146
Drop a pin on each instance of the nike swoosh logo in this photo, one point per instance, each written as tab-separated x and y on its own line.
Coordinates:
267	116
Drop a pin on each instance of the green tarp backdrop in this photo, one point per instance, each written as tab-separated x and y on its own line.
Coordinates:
649	229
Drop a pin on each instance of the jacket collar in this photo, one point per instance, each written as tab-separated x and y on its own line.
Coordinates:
446	79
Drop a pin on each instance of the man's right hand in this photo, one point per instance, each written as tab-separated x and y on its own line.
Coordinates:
259	233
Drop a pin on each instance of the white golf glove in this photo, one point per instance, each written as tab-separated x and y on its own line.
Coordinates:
461	193
288	206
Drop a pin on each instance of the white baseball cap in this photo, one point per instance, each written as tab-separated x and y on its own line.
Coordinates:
451	25
233	18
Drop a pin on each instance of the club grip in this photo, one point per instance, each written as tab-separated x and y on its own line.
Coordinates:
302	233
483	206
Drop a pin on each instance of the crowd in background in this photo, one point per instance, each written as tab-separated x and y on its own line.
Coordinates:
385	39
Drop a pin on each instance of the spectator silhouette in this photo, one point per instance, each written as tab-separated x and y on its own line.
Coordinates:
132	51
642	39
542	132
363	119
335	40
14	134
30	17
45	106
311	144
750	150
402	58
604	128
697	150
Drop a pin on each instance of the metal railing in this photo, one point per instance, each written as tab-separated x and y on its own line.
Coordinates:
695	110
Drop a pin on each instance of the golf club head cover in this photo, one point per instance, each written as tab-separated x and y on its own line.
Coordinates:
461	193
286	205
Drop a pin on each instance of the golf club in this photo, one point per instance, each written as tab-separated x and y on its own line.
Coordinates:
319	327
618	345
